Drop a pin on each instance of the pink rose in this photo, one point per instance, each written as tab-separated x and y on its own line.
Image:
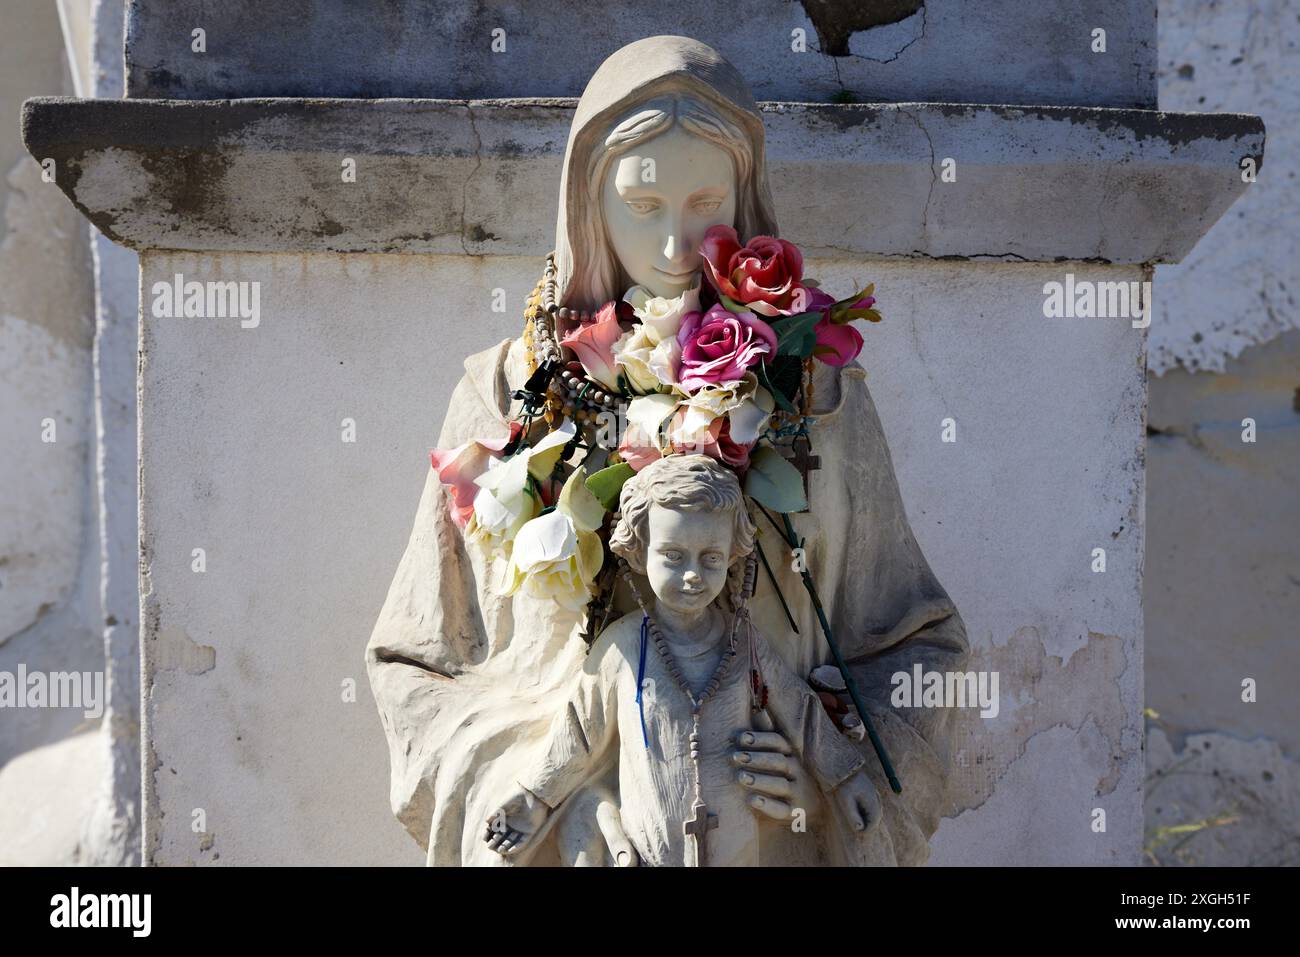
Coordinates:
458	468
837	344
713	441
637	456
766	274
593	344
718	346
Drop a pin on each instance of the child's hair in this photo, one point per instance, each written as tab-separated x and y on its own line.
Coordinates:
691	482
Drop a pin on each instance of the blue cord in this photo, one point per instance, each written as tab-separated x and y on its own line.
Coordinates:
640	679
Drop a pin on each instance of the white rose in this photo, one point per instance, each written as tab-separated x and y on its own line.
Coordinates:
553	560
662	317
502	505
649	365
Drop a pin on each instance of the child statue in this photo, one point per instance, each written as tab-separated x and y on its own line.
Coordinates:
674	689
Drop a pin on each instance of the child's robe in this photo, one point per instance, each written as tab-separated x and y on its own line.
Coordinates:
656	783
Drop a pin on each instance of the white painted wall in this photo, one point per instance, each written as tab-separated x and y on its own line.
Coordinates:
302	532
49	603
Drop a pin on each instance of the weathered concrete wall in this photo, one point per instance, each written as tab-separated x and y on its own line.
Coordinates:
244	458
1223	578
48	546
1238	287
996	51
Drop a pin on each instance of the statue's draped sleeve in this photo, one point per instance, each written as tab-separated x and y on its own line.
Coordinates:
438	625
828	755
887	610
582	732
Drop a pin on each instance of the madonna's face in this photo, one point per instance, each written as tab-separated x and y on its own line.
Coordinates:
659	199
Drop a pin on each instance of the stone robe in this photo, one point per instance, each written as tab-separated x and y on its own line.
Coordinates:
467	680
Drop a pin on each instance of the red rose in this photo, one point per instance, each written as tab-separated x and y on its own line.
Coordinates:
766	274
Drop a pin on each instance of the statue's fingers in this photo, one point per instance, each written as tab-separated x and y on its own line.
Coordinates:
766	762
497	837
768	784
777	810
611	826
764	741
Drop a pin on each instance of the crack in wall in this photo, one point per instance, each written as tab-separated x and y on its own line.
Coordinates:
934	175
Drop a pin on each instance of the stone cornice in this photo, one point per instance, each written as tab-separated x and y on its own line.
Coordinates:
481	177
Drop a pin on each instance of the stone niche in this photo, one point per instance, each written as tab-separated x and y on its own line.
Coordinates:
261	743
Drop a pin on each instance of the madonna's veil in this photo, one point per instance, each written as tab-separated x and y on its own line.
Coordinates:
653	69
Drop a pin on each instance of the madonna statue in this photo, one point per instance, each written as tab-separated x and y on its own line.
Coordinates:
669	319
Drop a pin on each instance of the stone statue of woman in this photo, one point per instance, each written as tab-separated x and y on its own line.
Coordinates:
467	677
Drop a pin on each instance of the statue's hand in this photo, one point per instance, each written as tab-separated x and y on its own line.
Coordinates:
778	783
858	801
512	825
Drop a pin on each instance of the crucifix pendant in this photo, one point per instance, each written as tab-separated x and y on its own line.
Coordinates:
698	826
802	459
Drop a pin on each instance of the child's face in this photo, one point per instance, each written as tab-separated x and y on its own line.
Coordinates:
687	558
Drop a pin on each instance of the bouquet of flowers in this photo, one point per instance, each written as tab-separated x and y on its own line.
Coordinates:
720	370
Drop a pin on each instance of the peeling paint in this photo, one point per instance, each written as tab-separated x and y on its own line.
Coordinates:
1040	691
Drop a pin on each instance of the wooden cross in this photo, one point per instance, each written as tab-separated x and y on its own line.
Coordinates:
697	826
802	460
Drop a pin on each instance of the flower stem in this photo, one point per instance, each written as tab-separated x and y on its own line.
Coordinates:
792	540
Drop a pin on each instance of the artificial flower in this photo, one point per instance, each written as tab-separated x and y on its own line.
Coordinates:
557	556
743	395
648	365
837	345
593	344
719	346
505	501
765	274
645	417
714	440
458	468
662	317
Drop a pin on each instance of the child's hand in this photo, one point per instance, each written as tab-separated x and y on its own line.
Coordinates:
858	800
513	824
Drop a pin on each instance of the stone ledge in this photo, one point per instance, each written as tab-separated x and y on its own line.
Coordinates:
481	177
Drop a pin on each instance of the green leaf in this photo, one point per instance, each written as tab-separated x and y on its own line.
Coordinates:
796	335
839	311
848	315
607	484
774	482
781	379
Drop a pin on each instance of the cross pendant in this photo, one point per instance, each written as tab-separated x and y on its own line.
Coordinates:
801	458
697	827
